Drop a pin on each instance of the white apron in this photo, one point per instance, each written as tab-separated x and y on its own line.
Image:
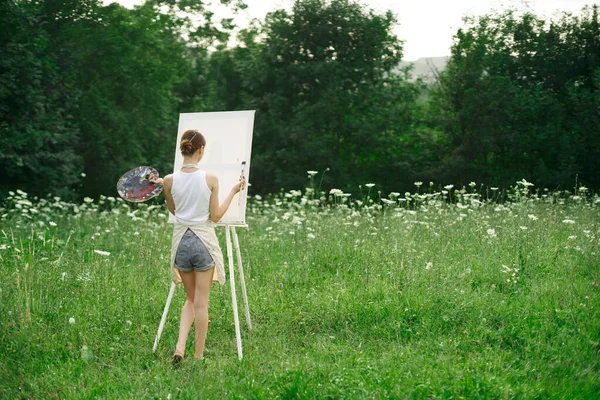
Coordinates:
206	233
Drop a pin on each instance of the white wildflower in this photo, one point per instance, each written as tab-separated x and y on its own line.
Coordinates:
429	265
572	237
491	232
52	223
83	175
472	184
72	321
311	236
417	184
312	173
523	228
88	200
370	185
568	221
532	217
448	187
525	183
102	253
494	188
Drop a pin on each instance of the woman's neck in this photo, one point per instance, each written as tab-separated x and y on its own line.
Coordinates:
190	160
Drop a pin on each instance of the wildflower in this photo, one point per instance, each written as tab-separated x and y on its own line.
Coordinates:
86	354
568	221
83	175
532	217
429	265
525	183
491	232
370	185
88	200
72	321
63	276
523	228
494	188
52	223
448	187
417	184
128	322
583	189
11	192
336	192
430	183
3	247
312	173
311	236
102	253
472	184
572	237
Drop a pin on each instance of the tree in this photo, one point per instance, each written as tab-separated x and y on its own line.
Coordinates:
518	96
38	136
323	79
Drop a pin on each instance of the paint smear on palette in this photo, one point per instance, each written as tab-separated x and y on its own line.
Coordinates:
135	185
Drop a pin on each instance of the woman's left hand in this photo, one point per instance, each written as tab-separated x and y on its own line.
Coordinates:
156	181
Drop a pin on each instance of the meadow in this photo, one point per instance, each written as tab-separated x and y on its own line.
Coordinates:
446	292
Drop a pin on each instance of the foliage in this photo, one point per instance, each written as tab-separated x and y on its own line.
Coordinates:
520	97
89	91
320	78
38	137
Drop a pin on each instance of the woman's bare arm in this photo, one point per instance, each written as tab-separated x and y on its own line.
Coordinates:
218	210
168	185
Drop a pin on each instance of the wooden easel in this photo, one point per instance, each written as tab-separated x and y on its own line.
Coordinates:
229	232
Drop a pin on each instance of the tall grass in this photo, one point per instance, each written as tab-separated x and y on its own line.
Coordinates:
470	293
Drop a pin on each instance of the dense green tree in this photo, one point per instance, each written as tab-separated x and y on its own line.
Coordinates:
520	99
38	136
321	78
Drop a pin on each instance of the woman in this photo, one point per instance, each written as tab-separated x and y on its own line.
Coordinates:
192	196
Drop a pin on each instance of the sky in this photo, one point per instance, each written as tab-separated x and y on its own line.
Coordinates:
426	26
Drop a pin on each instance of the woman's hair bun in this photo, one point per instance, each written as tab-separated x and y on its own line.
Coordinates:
187	147
191	141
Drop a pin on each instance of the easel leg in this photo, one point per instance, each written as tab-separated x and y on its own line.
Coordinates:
233	296
164	316
242	280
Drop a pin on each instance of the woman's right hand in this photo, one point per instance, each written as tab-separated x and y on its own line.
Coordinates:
239	186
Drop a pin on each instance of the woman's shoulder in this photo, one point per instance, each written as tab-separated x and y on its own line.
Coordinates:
168	180
211	179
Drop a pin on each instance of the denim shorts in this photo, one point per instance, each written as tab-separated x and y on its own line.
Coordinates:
192	254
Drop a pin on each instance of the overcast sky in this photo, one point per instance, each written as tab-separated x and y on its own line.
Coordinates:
426	26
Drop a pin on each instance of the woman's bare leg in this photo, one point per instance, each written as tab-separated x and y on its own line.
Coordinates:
187	313
203	283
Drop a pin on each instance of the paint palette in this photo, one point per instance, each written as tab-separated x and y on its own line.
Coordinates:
135	185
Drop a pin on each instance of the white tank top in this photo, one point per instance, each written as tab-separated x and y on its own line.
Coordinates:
191	196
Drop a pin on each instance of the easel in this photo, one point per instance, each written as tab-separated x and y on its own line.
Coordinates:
229	232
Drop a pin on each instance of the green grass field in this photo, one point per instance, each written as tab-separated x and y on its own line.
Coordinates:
423	295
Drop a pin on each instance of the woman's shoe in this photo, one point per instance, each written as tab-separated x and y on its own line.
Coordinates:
176	360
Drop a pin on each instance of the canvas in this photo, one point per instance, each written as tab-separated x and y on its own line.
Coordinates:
228	144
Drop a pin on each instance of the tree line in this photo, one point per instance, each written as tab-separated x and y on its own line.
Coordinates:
89	91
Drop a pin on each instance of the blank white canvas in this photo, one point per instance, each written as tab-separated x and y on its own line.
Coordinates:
228	137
